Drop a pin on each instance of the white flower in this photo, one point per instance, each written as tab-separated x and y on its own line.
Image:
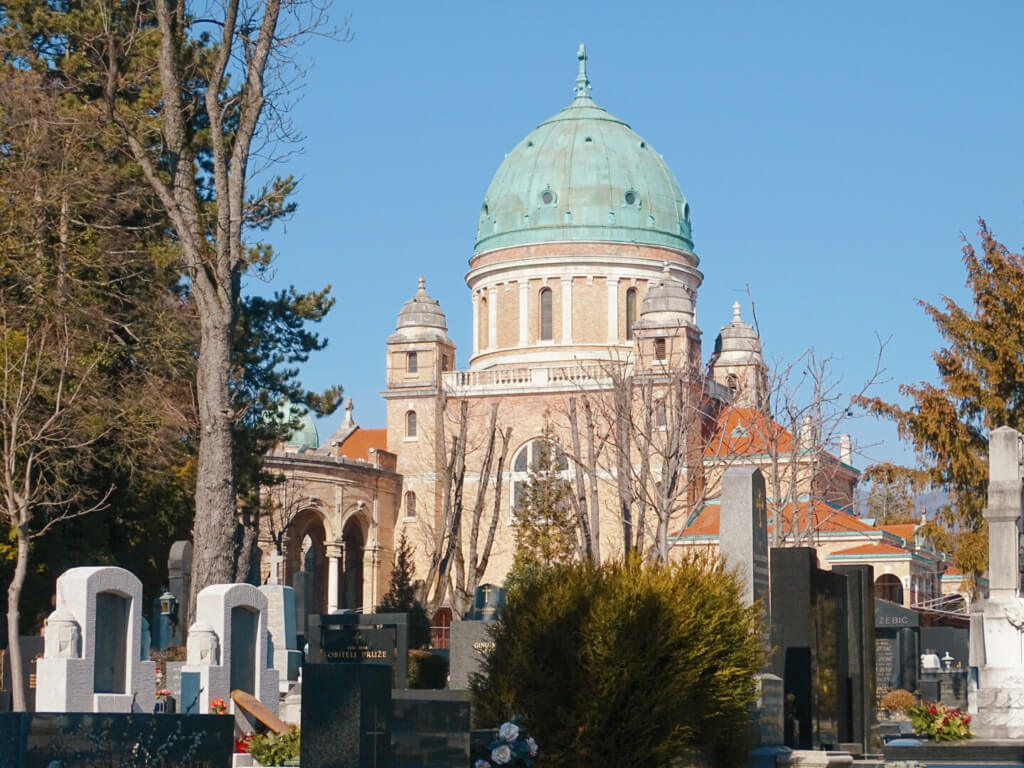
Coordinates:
508	732
532	745
481	764
501	755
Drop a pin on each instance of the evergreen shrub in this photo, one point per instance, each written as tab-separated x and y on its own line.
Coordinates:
427	670
626	664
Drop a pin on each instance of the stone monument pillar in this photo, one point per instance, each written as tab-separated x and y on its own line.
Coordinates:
1000	654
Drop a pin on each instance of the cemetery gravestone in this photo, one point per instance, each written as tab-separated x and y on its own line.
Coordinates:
808	624
281	625
743	530
346	716
860	634
303	584
367	638
228	647
896	648
470	640
179	573
93	646
743	545
430	729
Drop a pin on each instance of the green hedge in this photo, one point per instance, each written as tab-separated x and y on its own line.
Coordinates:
629	664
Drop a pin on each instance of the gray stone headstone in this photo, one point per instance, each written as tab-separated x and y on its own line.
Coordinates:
469	643
303	584
743	530
281	616
179	575
188	703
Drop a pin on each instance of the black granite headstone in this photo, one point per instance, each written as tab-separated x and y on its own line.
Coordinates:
32	647
488	600
361	638
809	634
430	729
346	716
860	631
896	644
244	642
30	740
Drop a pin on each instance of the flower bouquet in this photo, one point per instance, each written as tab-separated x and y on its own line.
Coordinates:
512	748
218	707
939	722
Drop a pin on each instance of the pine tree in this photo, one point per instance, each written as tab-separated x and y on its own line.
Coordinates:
981	375
545	520
401	596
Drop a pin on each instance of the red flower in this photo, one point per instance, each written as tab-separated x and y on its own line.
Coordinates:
932	710
242	745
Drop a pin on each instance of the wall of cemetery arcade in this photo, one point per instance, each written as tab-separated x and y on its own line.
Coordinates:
335	490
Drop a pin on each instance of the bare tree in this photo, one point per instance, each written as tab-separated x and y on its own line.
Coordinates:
44	435
454	574
194	137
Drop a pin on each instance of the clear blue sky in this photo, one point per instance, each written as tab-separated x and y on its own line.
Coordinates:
832	154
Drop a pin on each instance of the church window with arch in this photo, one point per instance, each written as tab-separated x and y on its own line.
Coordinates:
660	352
410	425
630	312
545	314
527	458
410	504
412	364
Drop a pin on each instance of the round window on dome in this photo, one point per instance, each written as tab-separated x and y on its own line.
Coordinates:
631	198
547	197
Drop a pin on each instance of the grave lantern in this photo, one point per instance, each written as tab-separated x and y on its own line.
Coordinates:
168	604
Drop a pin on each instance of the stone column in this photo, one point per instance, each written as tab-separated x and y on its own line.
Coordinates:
492	317
566	310
476	322
613	310
333	555
1003	511
524	312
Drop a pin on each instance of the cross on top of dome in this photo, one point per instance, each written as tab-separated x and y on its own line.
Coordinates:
582	81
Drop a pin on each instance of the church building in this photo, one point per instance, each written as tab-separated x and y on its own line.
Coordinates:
584	282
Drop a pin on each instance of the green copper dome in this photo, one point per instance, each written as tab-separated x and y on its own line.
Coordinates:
583	175
304	436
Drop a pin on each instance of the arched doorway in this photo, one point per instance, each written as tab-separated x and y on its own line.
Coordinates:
352	574
306	554
888	587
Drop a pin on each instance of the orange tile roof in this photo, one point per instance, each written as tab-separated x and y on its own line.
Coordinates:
903	530
758	435
358	444
826	520
868	550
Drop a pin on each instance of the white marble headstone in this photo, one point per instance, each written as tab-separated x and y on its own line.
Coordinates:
93	660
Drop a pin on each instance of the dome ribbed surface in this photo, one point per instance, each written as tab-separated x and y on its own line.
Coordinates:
583	175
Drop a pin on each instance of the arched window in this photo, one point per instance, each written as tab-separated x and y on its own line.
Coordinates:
888	587
440	628
545	314
410	504
412	364
526	458
659	414
410	424
733	383
630	311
